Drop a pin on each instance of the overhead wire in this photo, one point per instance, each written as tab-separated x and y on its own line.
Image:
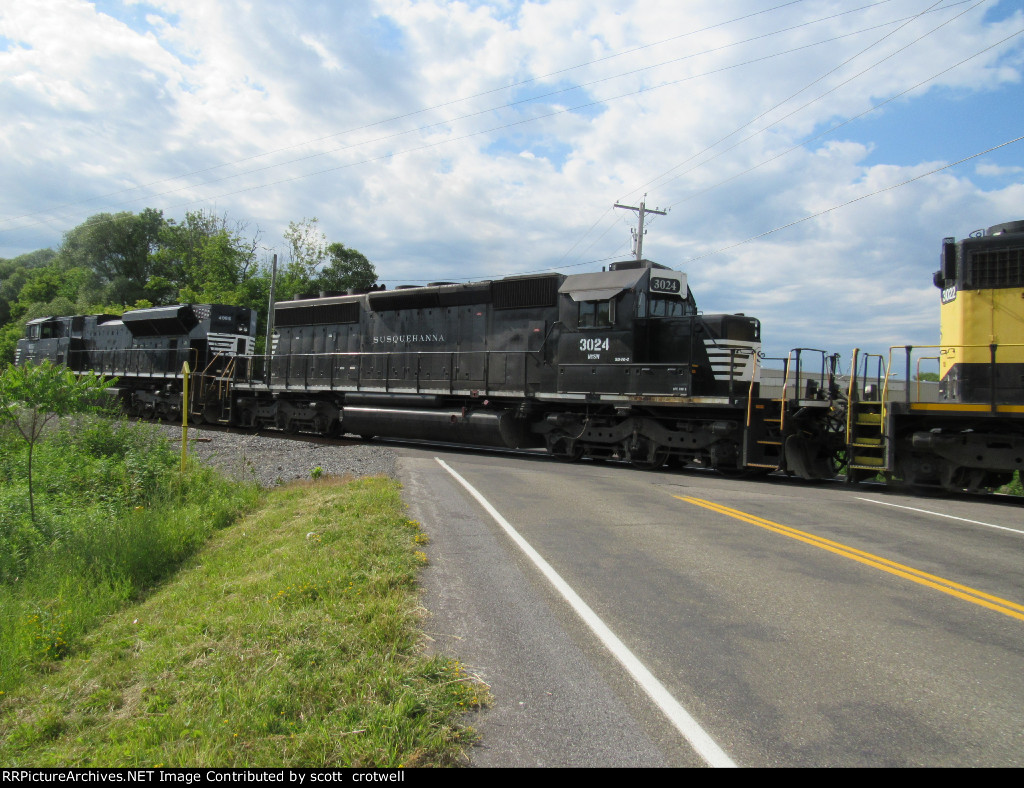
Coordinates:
848	121
502	127
905	21
815	215
855	200
841	85
814	82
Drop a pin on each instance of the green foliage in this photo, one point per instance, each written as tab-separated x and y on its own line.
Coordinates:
292	640
112	260
15	273
1014	487
347	269
119	248
307	249
114	517
31	396
202	260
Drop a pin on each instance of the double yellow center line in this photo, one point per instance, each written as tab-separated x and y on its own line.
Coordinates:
967	593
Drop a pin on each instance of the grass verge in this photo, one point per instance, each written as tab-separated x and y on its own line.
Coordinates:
291	639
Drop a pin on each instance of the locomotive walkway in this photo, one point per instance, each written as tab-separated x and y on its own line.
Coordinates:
799	625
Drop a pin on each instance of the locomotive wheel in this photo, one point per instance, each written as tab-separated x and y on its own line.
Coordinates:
649	457
565	449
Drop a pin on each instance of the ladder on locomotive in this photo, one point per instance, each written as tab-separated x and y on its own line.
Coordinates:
212	400
866	442
765	427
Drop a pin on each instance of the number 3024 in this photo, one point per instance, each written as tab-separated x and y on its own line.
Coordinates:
595	343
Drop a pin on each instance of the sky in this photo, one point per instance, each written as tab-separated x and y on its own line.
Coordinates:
811	154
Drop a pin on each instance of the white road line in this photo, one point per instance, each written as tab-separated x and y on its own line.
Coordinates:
940	514
698	738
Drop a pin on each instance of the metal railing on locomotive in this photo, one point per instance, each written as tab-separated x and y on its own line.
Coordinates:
348	371
908	350
883	389
866	385
134	362
336	370
148	363
792	370
917	374
797	375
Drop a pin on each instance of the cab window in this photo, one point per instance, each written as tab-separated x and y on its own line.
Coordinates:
52	331
597	314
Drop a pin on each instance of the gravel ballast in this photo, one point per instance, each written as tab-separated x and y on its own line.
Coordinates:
270	459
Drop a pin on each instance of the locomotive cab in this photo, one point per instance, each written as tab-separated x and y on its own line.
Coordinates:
636	329
55	339
982	316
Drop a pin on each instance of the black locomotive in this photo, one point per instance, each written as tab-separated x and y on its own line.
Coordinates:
145	349
612	364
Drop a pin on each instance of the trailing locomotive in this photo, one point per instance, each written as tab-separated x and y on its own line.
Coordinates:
145	349
612	364
973	436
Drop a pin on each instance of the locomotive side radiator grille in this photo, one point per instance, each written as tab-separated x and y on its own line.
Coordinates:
733	359
231	344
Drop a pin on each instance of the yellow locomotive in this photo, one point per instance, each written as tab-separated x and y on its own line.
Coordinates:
971	435
982	283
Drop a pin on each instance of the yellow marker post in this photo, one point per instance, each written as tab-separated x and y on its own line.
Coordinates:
185	370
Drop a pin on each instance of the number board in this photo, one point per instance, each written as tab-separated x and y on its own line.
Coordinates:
667	283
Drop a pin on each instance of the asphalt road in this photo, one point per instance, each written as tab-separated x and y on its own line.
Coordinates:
800	625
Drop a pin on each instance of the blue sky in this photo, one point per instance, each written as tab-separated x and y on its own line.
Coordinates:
397	124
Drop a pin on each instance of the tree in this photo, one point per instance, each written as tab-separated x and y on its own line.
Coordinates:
14	273
31	396
118	248
203	259
307	248
347	269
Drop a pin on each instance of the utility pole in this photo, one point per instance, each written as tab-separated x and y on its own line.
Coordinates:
270	315
638	234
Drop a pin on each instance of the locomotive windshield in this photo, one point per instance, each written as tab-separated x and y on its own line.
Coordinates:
667	306
662	305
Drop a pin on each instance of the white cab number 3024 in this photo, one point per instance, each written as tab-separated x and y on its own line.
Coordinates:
594	343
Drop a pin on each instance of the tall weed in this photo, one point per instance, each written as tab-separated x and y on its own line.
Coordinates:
114	517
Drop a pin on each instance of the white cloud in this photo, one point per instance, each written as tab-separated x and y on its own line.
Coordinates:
990	170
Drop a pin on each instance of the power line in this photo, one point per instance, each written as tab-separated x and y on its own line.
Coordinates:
814	82
905	21
848	121
428	109
851	202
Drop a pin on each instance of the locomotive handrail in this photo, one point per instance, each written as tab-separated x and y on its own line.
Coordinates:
945	349
918	375
387	380
793	360
129	362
